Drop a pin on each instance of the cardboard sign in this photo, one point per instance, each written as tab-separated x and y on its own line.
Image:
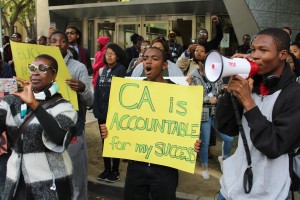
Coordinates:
154	122
24	54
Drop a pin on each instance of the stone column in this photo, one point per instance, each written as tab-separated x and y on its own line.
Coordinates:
42	17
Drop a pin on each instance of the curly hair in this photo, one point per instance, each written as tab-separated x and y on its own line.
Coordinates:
121	55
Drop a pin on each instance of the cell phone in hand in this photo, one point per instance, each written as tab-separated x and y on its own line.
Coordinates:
8	85
53	24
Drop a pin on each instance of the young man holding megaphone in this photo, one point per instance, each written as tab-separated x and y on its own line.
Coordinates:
264	109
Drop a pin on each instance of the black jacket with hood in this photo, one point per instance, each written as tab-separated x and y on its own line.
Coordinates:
275	138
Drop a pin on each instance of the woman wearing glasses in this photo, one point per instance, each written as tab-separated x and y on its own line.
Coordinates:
39	167
114	59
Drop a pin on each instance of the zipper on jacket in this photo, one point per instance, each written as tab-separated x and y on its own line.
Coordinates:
53	187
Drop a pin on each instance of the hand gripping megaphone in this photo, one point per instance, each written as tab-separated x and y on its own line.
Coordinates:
218	66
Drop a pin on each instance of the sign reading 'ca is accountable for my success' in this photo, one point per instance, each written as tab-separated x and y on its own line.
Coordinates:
154	122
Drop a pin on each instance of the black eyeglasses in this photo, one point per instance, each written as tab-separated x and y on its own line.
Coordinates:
70	33
41	68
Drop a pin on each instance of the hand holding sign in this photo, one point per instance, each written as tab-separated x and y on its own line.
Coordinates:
154	125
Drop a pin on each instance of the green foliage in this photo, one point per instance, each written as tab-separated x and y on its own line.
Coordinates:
22	11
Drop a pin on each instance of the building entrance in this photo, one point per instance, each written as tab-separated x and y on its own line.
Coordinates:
120	29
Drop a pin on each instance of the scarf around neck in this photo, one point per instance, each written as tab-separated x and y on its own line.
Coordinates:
44	95
47	93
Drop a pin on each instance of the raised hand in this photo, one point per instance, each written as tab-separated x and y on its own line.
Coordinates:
27	94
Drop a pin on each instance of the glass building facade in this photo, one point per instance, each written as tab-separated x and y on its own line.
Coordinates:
118	19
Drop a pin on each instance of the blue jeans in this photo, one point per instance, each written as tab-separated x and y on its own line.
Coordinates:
220	197
226	144
205	129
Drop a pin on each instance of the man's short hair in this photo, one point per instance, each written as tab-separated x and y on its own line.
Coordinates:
280	37
77	31
163	54
203	29
59	32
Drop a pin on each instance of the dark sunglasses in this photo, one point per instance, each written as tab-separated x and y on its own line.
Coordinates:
70	33
41	68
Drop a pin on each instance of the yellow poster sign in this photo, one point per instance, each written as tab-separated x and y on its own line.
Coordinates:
154	122
24	54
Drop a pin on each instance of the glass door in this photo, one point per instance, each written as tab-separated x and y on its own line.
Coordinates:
154	26
104	27
184	27
125	28
155	29
124	33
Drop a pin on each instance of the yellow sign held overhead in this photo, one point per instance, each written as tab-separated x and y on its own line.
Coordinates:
24	54
154	122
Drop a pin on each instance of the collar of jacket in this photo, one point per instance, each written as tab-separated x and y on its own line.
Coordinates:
286	78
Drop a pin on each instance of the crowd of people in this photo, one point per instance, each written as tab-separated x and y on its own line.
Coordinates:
40	124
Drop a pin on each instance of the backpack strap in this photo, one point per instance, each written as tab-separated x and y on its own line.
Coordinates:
47	104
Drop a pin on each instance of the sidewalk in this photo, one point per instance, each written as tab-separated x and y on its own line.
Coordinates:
191	186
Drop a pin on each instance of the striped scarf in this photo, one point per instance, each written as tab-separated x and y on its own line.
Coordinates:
44	95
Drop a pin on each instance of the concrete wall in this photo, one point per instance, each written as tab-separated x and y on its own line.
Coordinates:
241	18
42	17
276	13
